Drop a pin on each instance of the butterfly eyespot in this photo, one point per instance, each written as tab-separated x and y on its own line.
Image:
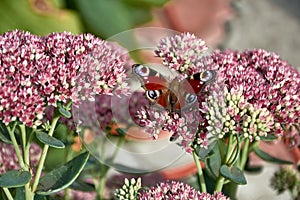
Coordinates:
207	75
153	94
190	98
141	70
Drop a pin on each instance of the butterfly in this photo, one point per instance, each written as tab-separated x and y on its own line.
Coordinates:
175	95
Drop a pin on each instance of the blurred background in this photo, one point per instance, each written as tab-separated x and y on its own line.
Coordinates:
236	24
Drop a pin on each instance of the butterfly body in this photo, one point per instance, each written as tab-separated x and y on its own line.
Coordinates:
175	95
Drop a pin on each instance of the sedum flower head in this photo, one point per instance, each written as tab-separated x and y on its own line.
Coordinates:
129	190
183	126
39	71
260	94
176	190
182	52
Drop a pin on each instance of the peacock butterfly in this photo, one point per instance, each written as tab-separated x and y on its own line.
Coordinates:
175	95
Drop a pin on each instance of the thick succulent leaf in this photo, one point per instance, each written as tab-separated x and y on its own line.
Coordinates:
15	178
213	162
203	152
20	193
269	137
49	140
60	178
65	112
82	186
234	174
4	135
267	157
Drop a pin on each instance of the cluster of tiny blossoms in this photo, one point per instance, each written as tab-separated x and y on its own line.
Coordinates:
9	160
183	127
183	52
39	71
260	96
177	190
129	190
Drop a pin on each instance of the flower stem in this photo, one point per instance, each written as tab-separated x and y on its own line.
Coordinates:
24	144
44	154
7	193
230	149
228	156
244	155
200	173
219	184
105	168
16	146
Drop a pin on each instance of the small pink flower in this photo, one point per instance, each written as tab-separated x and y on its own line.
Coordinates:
39	71
183	53
177	190
260	94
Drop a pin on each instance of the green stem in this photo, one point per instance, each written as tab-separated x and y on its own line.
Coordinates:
67	194
24	144
219	184
230	149
29	195
105	169
16	146
25	147
229	153
44	154
200	173
102	186
120	142
244	155
7	193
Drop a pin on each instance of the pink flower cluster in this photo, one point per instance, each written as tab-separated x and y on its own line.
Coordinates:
183	126
39	71
255	93
183	52
261	94
177	190
9	160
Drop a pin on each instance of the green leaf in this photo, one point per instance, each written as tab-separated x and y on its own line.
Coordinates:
267	157
15	178
269	138
60	178
213	162
125	169
20	193
234	174
203	152
64	111
42	197
49	140
4	135
82	186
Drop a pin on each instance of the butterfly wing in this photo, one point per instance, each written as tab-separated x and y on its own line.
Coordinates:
155	84
192	86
